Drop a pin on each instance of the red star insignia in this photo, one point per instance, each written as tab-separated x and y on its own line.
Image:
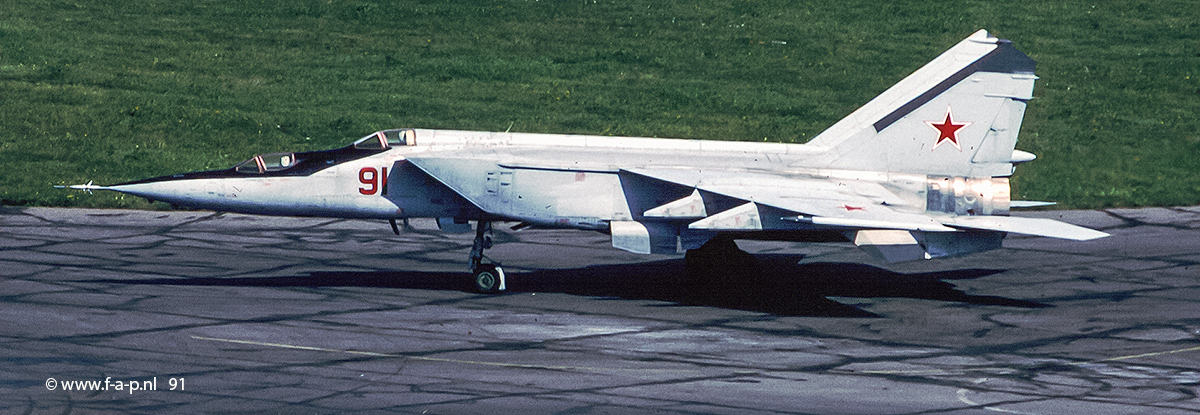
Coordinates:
947	130
852	208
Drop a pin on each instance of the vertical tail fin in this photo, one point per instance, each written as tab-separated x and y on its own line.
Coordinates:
956	116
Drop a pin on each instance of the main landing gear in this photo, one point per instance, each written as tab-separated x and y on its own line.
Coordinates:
488	278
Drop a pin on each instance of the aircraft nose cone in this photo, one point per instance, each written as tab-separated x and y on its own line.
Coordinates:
184	192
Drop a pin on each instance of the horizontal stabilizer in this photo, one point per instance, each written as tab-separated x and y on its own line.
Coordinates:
877	224
1027	226
1029	203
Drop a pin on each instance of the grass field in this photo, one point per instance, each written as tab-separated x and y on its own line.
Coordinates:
122	90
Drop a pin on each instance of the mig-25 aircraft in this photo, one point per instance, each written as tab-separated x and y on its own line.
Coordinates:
919	172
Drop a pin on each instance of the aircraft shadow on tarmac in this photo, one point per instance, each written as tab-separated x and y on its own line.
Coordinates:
777	284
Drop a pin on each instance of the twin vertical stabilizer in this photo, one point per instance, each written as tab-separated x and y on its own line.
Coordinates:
958	115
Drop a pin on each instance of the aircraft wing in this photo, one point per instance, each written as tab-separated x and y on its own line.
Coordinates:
820	201
851	204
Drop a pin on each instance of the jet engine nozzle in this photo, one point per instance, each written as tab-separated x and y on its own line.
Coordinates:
968	195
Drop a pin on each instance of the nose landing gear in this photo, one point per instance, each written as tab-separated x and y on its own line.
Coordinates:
488	278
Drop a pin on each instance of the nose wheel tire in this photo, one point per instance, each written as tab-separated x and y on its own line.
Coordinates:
489	279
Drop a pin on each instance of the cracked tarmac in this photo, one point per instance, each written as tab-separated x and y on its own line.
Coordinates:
305	315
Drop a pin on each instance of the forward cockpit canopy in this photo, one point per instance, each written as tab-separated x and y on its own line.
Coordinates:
380	140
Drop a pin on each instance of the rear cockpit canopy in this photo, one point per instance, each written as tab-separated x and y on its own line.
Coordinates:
382	140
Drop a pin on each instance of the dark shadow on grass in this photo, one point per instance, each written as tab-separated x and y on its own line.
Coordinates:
777	285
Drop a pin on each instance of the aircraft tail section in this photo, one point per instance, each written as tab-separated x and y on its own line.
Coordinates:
958	115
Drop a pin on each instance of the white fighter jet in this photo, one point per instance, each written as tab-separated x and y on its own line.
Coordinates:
919	172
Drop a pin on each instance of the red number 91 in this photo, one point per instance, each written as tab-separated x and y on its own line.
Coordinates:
372	180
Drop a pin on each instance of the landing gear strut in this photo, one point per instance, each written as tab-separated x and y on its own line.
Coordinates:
488	278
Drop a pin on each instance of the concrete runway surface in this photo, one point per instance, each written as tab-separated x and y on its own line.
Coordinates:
218	313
